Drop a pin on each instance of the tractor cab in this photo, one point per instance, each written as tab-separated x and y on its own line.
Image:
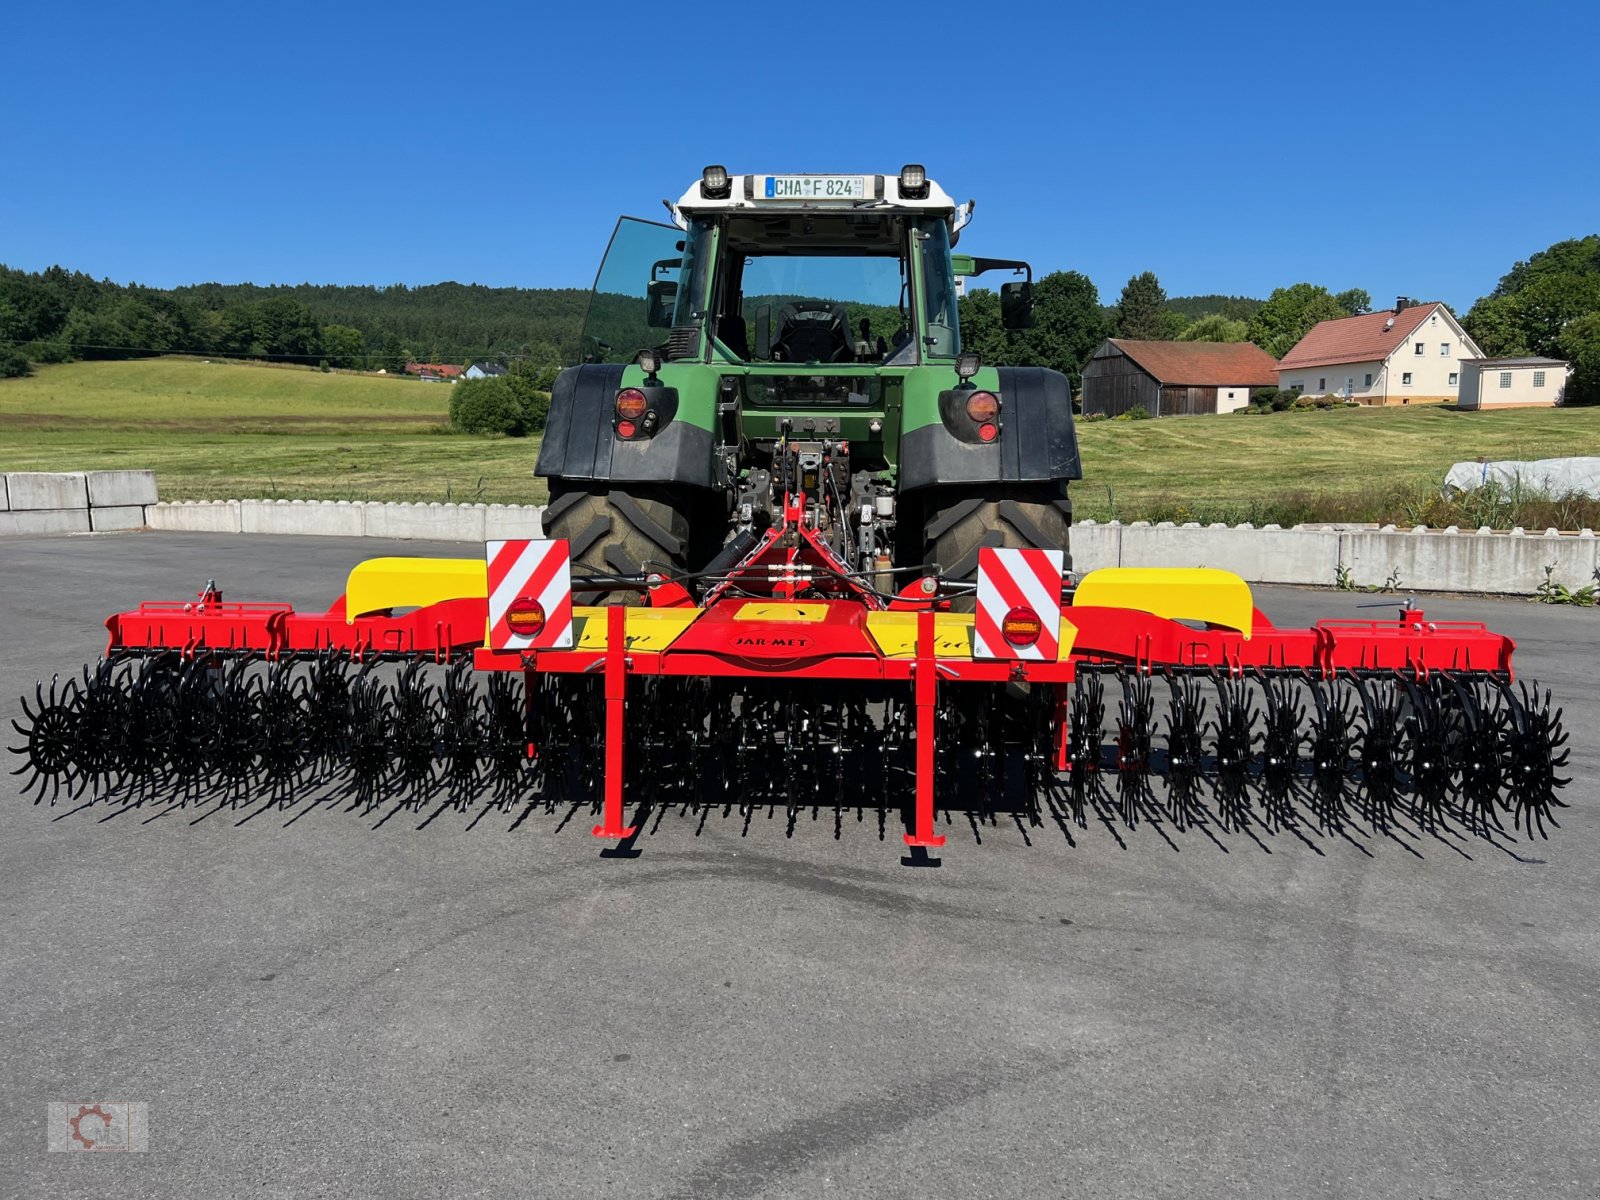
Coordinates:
814	271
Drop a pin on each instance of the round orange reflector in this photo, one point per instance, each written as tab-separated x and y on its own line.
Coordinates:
983	406
631	404
988	433
627	428
1022	626
525	616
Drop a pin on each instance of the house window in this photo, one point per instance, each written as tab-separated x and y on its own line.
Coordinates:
1299	385
1421	349
1368	383
1538	379
1444	349
1454	378
1322	383
1405	379
1505	379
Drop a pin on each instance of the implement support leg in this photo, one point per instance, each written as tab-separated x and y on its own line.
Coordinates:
927	695
611	826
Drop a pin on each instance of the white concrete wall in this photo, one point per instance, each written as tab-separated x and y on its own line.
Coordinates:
347	518
74	501
1417	560
1514	563
1484	386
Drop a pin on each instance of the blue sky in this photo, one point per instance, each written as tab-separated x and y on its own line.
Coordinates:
1400	147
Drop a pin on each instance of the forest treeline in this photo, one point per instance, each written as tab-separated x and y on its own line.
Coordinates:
58	315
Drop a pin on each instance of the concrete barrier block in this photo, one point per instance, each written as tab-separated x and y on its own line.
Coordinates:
317	518
45	520
1305	556
194	516
1094	546
5	495
120	489
502	521
47	489
441	522
121	516
1508	563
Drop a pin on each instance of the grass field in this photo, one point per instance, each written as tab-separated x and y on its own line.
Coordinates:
217	430
220	430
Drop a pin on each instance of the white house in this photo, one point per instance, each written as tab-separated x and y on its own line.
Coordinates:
1513	382
483	369
1412	354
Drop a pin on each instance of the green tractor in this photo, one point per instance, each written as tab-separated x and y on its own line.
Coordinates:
802	324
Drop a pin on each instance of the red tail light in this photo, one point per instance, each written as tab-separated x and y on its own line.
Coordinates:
988	433
631	404
525	616
1022	626
983	407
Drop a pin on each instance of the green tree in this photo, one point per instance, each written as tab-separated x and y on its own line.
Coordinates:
1575	256
488	406
1496	325
531	378
1214	327
392	358
13	362
1139	309
1355	301
1068	324
286	328
981	333
1580	345
1289	314
343	347
1536	301
1549	303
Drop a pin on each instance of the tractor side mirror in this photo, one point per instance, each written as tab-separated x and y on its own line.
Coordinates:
1016	305
764	332
663	296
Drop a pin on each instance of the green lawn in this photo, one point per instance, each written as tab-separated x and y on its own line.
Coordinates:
224	430
219	430
1344	463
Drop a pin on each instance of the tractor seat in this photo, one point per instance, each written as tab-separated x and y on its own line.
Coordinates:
813	331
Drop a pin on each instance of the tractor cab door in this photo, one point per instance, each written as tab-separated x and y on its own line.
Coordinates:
635	296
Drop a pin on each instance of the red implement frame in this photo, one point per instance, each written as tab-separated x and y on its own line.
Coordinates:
837	646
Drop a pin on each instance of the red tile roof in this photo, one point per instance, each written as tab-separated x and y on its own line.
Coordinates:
1367	338
1203	364
443	370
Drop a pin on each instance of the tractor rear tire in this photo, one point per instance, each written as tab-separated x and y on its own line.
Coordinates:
619	531
1008	516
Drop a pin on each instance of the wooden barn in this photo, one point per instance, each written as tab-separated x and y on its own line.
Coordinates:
1174	379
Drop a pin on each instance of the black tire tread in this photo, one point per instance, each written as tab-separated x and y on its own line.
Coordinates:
612	531
1011	516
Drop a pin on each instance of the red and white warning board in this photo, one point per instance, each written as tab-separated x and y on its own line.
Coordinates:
530	595
1019	604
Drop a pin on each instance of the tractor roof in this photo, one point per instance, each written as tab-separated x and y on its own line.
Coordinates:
818	192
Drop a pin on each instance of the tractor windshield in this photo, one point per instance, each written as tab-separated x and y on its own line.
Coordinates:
803	288
833	288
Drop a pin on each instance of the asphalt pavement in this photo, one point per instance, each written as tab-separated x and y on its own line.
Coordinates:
325	1009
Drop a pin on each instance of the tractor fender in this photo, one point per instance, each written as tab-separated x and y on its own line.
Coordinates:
581	443
1038	441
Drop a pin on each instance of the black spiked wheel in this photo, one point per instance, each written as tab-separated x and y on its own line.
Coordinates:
50	741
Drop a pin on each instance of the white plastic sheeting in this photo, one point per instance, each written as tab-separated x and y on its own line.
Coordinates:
1553	477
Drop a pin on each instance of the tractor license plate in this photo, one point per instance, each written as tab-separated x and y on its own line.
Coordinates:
813	187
